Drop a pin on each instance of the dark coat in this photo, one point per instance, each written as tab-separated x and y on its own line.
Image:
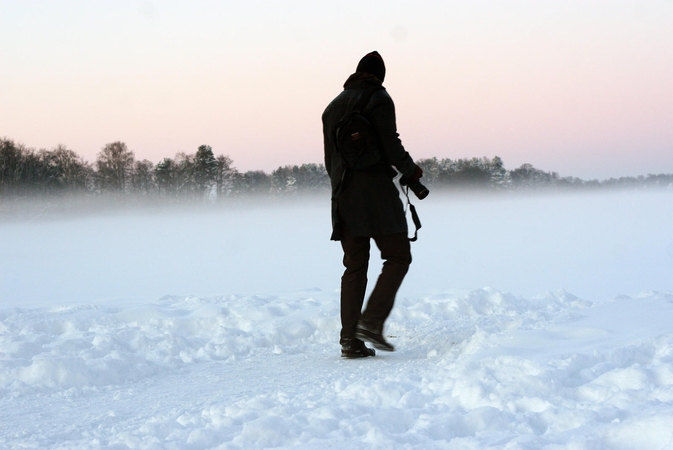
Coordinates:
369	203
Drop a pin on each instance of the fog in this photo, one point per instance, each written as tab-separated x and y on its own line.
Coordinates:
593	245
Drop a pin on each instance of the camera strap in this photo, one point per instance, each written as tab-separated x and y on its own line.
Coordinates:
414	214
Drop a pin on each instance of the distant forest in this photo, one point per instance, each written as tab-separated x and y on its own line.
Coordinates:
26	173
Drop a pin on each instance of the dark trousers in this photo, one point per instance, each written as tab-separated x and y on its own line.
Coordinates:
396	254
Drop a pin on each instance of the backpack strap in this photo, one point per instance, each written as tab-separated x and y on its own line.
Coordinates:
414	214
364	99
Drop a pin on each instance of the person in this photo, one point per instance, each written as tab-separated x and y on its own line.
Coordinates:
366	205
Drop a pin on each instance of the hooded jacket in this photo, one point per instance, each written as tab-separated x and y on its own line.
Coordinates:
368	204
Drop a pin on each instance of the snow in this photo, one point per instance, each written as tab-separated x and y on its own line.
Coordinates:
525	322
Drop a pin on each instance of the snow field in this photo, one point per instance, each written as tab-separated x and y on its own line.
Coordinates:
474	369
218	328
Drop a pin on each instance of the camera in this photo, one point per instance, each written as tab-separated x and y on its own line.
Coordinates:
417	188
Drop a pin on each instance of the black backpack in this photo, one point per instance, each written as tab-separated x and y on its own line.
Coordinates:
356	138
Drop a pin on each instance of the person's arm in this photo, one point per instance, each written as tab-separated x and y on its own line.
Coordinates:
382	118
327	145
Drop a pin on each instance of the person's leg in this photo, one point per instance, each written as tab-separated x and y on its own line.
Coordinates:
353	283
396	253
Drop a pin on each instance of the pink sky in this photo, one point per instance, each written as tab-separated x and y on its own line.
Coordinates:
580	88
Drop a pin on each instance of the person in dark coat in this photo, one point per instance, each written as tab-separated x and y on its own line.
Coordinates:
366	205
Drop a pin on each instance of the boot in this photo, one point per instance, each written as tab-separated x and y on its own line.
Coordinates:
374	334
355	348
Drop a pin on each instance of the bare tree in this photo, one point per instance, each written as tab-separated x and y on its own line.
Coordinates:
11	160
142	178
183	171
224	175
529	177
70	170
251	182
114	166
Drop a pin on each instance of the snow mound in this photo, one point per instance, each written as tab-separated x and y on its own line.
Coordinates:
473	369
89	346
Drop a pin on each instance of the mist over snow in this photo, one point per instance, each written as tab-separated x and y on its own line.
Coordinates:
526	321
594	246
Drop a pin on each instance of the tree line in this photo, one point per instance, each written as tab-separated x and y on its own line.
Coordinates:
490	173
201	175
26	172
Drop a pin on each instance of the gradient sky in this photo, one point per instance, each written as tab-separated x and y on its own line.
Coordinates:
582	88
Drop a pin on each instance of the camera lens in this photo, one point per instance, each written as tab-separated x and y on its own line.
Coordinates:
420	190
